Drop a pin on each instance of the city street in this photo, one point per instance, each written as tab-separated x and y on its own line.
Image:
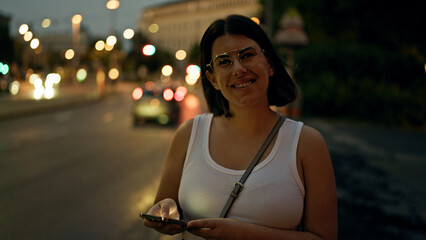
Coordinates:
86	173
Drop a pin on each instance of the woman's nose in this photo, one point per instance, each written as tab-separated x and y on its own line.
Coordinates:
238	67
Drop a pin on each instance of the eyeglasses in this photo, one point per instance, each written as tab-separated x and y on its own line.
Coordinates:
248	57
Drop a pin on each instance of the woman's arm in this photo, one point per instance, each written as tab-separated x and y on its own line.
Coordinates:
166	200
320	214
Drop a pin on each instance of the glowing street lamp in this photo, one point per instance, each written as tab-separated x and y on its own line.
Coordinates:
34	43
167	70
23	29
180	55
112	4
128	33
148	50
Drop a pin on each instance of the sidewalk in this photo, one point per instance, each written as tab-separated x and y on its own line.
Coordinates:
25	104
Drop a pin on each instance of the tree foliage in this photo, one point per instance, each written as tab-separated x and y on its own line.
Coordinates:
366	59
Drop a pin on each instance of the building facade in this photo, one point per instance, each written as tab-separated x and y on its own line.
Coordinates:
180	25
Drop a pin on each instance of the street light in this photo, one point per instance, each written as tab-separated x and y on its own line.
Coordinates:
76	21
23	29
112	4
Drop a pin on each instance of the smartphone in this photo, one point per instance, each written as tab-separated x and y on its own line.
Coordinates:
163	219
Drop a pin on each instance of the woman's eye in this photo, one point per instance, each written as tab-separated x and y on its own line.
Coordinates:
224	62
247	55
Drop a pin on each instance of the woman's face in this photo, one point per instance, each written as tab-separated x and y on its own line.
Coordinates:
240	71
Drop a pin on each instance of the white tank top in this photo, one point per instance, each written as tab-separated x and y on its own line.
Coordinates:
273	194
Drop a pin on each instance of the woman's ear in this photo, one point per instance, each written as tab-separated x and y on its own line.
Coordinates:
271	69
212	79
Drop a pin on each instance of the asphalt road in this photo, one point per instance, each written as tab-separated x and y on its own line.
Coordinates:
80	173
86	173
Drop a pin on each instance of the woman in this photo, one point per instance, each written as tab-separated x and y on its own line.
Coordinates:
242	77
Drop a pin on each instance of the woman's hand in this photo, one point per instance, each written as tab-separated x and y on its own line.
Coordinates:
215	228
165	208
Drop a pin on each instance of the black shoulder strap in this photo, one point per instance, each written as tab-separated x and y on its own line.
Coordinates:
240	184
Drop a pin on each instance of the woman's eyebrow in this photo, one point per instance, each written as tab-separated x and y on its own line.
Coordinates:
226	54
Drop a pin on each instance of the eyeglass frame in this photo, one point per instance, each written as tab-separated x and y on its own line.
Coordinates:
239	51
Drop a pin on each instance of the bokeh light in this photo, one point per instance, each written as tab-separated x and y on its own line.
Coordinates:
23	29
46	23
180	54
76	19
69	54
100	45
168	94
111	40
81	74
193	69
137	93
4	68
34	43
256	20
167	70
108	47
113	73
112	4
148	50
128	33
14	87
28	36
153	28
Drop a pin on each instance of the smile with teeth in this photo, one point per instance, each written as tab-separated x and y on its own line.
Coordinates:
244	84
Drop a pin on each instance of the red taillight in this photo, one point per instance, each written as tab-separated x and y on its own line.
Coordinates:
137	93
168	94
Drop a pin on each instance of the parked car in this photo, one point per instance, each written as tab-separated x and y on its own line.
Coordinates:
158	105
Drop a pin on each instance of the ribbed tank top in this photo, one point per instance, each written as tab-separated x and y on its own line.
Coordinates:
273	194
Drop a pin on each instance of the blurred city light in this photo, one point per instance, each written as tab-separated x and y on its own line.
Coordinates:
180	54
192	102
46	23
38	83
81	75
34	43
167	70
193	69
33	77
168	94
112	4
108	47
137	93
28	36
49	93
191	79
38	92
128	33
256	20
148	50
100	45
14	87
69	54
149	85
52	79
153	28
180	93
113	73
111	40
76	19
23	29
4	68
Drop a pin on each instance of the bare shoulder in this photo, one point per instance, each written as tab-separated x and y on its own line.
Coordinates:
312	146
